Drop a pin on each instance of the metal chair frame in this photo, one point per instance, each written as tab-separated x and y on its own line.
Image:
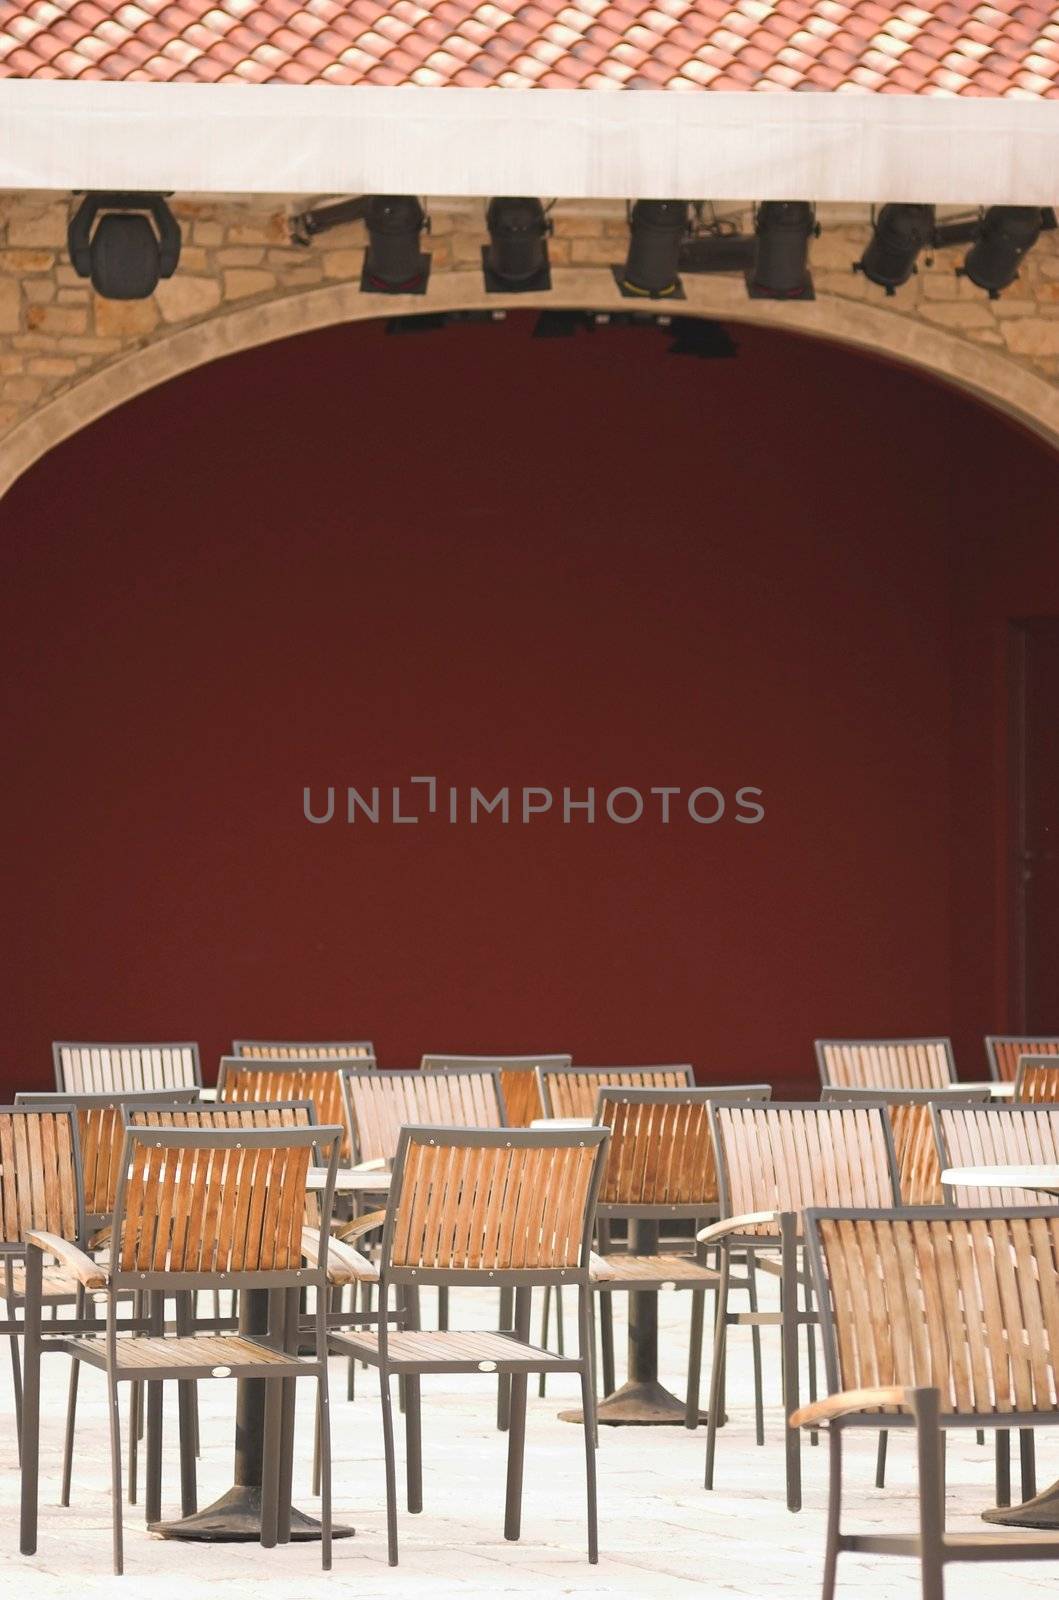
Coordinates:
111	1047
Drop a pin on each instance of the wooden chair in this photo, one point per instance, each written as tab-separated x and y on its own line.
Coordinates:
101	1138
195	1209
919	1170
934	1321
993	1136
886	1063
379	1104
1002	1052
482	1208
103	1068
303	1050
40	1187
518	1080
318	1081
660	1166
574	1091
1037	1079
773	1162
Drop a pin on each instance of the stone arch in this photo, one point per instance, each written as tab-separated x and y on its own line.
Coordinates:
990	375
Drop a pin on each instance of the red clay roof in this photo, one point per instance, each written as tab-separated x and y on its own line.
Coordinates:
999	48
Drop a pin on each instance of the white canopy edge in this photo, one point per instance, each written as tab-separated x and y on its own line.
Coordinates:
576	144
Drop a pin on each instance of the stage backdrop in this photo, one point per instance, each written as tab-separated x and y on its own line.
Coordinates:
353	559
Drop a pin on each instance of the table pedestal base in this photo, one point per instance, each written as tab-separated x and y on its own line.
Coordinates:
236	1518
1040	1512
637	1404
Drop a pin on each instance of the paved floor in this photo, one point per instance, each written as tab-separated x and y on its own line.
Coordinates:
660	1533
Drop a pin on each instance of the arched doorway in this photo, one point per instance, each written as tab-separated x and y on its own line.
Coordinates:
354	558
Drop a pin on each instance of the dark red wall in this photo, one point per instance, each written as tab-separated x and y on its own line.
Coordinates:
353	558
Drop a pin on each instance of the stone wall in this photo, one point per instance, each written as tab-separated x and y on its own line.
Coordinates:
55	332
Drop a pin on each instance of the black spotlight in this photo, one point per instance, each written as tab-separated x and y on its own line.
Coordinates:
1005	236
780	269
657	229
515	261
124	243
899	233
394	263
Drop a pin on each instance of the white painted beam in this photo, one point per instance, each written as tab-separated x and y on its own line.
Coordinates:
577	144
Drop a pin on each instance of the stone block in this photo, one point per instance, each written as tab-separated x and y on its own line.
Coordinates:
22	262
179	298
43	225
1032	336
10	305
57	319
343	263
124	319
245	281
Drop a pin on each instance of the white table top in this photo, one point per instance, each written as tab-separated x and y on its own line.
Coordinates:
999	1091
1044	1179
562	1122
349	1181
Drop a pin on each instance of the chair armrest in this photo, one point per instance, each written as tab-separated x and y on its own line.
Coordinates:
90	1274
717	1230
599	1270
848	1402
343	1264
349	1231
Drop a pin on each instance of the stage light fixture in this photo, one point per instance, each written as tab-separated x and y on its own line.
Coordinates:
394	263
780	268
124	243
657	229
1005	237
899	233
515	261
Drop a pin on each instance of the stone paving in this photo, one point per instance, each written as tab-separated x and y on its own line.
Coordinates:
661	1533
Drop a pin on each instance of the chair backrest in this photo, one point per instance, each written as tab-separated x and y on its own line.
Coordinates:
318	1081
210	1201
102	1068
963	1301
101	1134
304	1049
785	1158
995	1136
1002	1052
518	1080
661	1158
488	1206
379	1104
40	1178
910	1122
244	1114
1037	1079
574	1091
886	1063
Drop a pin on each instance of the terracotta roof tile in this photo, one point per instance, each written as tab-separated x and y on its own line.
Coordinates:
993	48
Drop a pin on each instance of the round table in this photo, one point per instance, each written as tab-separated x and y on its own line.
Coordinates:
236	1516
1043	1510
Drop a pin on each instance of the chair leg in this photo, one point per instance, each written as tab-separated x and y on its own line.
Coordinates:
1027	1463
413	1417
931	1492
516	1438
1003	1467
789	1348
606	1343
135	1416
68	1440
29	1395
291	1341
834	1511
153	1487
270	1461
545	1321
810	1339
720	1335
755	1345
588	1412
16	1384
115	1472
880	1460
443	1309
187	1410
323	1407
698	1315
391	1466
503	1391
